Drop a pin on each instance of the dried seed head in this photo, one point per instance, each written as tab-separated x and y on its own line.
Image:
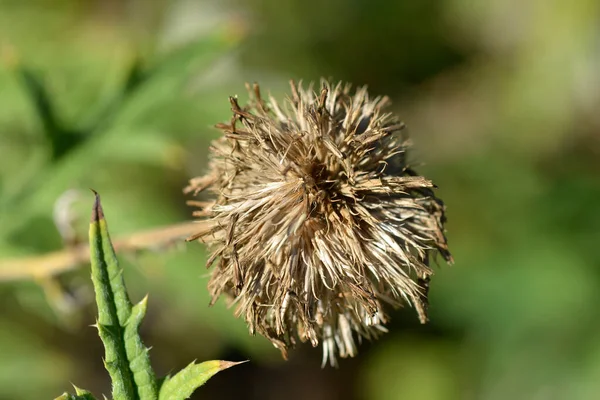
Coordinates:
317	220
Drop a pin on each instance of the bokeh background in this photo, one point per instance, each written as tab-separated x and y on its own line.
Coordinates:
502	101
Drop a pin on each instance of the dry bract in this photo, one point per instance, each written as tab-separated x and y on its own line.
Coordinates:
316	219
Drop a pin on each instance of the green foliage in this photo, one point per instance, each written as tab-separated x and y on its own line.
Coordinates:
126	358
80	394
148	90
183	384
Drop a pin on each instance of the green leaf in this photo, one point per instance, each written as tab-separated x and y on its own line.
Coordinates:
182	385
126	358
62	140
80	394
148	97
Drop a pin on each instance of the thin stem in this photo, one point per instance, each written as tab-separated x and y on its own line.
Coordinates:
54	263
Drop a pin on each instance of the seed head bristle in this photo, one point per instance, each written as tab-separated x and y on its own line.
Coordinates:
317	219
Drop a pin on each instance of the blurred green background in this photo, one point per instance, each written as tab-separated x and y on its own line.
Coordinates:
502	101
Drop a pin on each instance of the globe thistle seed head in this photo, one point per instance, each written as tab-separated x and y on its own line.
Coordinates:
316	220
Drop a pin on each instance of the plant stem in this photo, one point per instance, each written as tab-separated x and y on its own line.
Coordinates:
54	263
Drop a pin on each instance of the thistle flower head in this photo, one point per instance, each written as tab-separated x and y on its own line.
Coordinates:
317	221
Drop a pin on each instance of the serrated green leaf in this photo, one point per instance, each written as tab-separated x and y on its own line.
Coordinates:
68	396
80	394
182	385
137	353
126	358
116	364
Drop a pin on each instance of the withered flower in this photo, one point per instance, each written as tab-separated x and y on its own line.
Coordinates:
317	220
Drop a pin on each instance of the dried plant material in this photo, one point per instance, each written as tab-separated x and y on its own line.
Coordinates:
317	220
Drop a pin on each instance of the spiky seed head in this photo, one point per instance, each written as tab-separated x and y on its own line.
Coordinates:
316	220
